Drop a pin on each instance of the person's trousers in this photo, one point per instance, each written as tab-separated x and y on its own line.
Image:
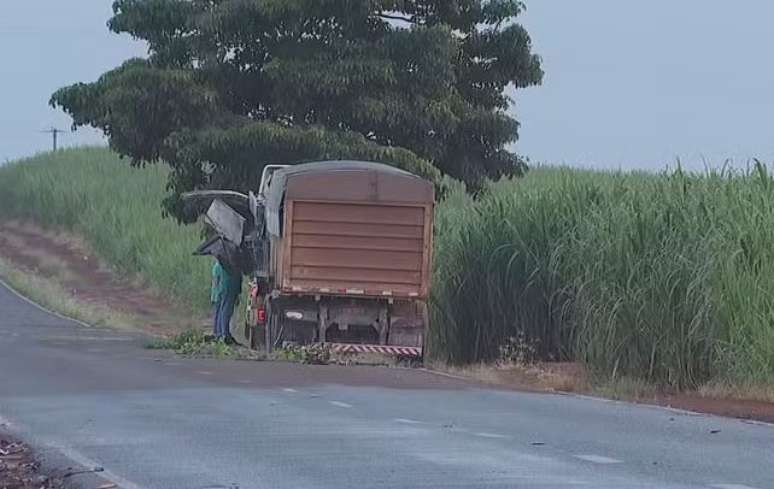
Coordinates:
223	315
215	309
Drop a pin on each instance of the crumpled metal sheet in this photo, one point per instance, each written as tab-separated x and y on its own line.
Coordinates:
227	222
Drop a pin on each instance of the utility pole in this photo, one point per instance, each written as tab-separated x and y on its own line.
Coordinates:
54	133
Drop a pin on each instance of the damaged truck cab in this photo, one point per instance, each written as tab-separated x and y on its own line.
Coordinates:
340	253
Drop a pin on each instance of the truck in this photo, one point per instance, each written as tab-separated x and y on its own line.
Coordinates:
339	253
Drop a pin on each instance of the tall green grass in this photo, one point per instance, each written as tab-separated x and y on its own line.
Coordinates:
667	278
116	208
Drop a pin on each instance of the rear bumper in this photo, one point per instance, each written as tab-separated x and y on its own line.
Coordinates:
402	351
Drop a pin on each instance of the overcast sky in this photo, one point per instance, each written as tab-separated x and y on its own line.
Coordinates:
628	84
44	45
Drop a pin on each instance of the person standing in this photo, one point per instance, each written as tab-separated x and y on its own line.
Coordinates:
228	290
215	293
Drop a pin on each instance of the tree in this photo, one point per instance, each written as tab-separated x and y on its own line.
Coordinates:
232	85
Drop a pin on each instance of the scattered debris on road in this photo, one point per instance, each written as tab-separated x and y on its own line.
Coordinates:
20	470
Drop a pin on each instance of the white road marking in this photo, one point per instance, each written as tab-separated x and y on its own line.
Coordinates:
730	486
82	460
204	372
288	389
484	434
598	459
408	421
341	404
88	463
42	308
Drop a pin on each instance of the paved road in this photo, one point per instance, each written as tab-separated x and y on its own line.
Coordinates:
152	420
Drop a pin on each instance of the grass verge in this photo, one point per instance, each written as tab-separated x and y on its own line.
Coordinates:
51	296
194	343
663	278
116	209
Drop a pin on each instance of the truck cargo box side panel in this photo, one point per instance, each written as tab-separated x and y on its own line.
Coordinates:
361	186
370	248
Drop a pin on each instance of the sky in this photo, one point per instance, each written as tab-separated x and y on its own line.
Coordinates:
633	84
44	45
628	84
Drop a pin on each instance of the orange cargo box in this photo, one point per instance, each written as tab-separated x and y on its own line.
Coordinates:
351	229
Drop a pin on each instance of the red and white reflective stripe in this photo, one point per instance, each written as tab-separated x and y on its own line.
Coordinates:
387	294
409	351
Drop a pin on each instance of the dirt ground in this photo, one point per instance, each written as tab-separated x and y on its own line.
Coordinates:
68	262
733	408
568	377
20	470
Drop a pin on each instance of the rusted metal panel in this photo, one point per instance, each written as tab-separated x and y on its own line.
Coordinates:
365	213
319	240
358	229
359	259
351	260
285	252
362	276
427	253
359	187
355	230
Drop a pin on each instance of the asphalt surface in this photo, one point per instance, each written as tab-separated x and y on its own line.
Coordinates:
92	397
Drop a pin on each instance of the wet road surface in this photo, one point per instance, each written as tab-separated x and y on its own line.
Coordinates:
94	397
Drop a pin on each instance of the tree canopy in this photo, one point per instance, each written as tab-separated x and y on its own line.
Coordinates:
232	85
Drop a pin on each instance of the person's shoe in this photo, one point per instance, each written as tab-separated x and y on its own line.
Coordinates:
209	338
229	340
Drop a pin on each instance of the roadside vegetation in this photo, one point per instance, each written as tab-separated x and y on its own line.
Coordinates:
116	208
666	279
194	343
52	296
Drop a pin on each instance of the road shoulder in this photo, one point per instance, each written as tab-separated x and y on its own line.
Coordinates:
59	272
